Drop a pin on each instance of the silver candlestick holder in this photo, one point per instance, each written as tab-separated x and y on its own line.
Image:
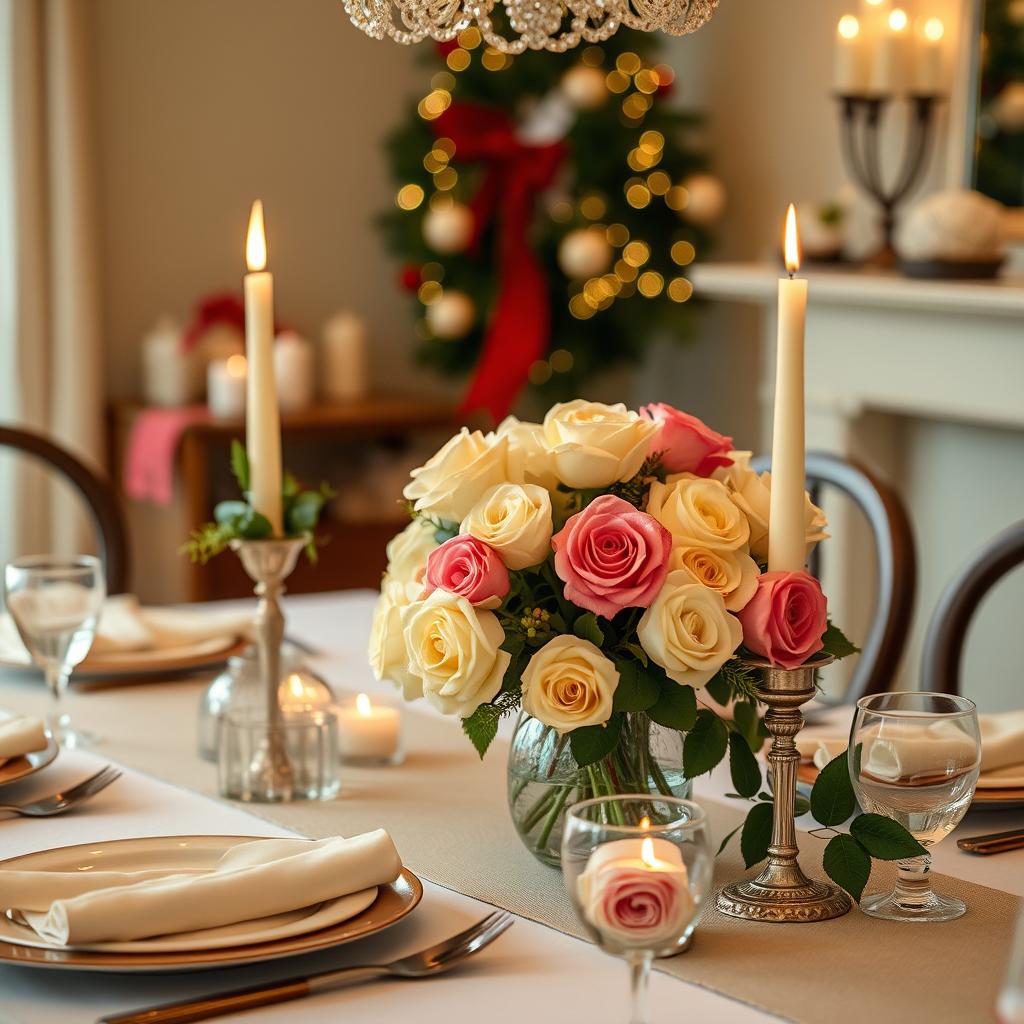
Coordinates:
268	563
782	892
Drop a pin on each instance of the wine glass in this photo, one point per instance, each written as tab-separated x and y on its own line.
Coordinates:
637	869
55	604
915	758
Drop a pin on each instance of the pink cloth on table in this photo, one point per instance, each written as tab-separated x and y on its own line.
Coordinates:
152	447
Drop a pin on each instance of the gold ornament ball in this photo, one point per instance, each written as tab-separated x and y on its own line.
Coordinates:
448	229
584	253
584	87
706	201
452	316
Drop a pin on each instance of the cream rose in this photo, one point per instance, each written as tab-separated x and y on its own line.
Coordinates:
752	494
453	480
408	552
529	462
515	520
594	445
733	574
454	648
687	630
569	683
389	658
698	511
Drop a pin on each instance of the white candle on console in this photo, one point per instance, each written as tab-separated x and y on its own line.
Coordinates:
225	387
369	732
294	372
787	548
262	422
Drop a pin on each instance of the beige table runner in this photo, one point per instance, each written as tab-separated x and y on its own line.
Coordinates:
446	811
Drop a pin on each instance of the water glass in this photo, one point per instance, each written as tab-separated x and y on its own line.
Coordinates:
55	604
308	741
638	869
915	758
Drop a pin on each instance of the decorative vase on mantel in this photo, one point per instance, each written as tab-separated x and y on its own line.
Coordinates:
544	780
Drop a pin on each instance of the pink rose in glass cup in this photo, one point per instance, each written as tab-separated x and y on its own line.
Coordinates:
786	618
469	568
689	444
612	556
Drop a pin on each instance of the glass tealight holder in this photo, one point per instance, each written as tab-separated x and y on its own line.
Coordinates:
308	738
369	729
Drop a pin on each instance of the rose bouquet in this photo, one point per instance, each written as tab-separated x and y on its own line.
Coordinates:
603	574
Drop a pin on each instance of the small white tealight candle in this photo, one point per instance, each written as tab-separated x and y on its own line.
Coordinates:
370	732
225	387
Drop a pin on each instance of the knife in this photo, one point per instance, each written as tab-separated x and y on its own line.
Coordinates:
994	842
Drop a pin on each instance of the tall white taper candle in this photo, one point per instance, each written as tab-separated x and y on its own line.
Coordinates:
786	545
262	422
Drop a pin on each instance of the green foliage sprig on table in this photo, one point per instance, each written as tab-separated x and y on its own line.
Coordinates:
238	520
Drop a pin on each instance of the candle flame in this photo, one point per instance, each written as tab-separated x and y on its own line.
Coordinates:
645	822
898	19
934	30
849	27
363	705
792	247
256	239
647	853
295	685
236	367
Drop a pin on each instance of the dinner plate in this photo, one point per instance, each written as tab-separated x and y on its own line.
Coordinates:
19	767
317	927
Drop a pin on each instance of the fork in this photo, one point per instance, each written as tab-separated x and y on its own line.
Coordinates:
58	803
425	964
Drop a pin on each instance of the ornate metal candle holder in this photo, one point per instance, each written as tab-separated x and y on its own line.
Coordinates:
862	122
268	563
782	892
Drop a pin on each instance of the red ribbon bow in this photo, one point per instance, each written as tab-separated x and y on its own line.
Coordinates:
521	324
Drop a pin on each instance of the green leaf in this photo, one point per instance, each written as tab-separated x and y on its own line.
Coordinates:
229	512
637	690
253	525
725	842
743	766
290	486
757	834
718	688
884	838
639	653
240	464
304	513
481	727
837	644
847	863
592	743
745	717
832	798
705	744
586	628
675	708
802	806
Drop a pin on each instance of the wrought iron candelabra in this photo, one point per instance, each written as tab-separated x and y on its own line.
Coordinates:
862	119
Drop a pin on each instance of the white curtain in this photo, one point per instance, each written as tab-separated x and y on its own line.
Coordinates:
50	353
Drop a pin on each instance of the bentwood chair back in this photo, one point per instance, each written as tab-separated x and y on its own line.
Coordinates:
895	563
97	493
944	643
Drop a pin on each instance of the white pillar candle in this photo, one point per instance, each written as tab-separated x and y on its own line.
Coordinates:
345	358
225	388
891	54
850	63
262	423
369	732
787	548
928	77
294	372
169	377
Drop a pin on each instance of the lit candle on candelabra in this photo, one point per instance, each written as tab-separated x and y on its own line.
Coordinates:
850	57
928	64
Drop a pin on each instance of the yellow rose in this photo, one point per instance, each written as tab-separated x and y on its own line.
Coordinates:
389	658
454	649
698	511
569	683
408	551
687	630
515	520
594	445
752	494
733	574
453	480
529	462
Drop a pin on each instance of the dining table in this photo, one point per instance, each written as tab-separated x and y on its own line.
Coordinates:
446	810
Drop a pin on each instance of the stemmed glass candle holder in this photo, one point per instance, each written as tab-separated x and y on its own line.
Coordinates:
638	869
55	604
915	757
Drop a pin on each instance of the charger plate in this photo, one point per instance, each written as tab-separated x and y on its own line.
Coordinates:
20	767
318	927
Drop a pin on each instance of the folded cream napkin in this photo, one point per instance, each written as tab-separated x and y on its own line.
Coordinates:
251	881
20	736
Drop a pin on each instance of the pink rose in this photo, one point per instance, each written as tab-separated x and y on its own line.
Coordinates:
690	445
612	556
786	618
468	568
639	906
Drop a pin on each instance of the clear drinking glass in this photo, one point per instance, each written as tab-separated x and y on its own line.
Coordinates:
638	869
55	604
915	757
1010	1004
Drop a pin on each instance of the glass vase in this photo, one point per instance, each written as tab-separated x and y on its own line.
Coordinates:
544	780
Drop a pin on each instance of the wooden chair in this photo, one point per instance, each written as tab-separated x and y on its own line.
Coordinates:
942	656
97	493
895	562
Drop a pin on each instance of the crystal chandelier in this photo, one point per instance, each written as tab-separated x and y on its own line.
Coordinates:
556	25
